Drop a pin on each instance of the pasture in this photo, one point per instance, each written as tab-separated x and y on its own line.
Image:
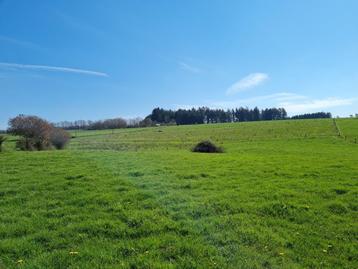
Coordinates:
284	194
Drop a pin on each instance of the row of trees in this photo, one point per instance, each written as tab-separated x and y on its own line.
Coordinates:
199	115
115	123
37	133
317	115
206	115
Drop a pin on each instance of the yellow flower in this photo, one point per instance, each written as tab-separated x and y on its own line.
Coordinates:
20	261
73	252
281	253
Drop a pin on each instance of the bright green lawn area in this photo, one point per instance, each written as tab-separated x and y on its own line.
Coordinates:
283	195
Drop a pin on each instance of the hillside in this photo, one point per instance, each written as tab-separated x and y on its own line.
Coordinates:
185	135
283	195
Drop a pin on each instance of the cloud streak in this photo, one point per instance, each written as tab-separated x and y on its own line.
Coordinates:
17	42
53	69
252	101
250	81
316	104
190	68
77	24
292	102
275	97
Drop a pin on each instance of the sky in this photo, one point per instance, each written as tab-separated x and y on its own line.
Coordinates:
89	59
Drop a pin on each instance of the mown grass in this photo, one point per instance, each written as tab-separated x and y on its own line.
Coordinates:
283	195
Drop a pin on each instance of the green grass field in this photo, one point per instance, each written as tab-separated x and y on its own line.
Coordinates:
283	195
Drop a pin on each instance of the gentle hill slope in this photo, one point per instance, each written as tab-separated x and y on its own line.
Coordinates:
283	195
184	136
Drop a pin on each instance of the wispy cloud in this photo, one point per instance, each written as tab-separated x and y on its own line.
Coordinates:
247	82
52	68
292	102
253	101
189	68
18	42
287	96
312	105
78	24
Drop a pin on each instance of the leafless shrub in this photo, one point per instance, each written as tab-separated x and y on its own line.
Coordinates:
59	138
108	124
36	133
147	122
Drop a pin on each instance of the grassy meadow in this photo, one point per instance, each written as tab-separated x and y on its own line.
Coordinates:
283	195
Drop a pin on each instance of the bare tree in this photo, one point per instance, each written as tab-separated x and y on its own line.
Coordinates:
108	124
59	138
36	133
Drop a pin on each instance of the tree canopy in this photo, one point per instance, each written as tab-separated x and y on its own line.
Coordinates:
203	115
317	115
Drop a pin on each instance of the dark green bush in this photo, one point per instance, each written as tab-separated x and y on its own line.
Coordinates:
207	147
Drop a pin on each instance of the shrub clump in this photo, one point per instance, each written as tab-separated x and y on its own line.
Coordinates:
59	138
36	133
207	147
30	144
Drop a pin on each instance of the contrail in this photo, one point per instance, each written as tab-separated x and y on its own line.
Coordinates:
53	68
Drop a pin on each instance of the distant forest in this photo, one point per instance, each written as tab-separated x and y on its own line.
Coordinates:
318	115
206	115
201	115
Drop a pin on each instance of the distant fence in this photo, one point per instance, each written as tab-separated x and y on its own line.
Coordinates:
339	132
352	139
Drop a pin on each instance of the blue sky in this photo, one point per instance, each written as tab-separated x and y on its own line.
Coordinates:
67	60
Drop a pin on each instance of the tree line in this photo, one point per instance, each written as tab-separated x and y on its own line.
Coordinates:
317	115
201	115
115	123
204	115
38	134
